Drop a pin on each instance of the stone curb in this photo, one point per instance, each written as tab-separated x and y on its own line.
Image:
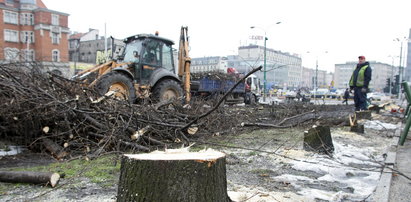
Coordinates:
382	192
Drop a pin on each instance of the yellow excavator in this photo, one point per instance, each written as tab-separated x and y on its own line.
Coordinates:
144	68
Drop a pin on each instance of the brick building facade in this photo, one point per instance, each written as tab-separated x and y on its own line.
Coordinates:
29	31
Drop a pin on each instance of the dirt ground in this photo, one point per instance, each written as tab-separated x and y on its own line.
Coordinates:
263	164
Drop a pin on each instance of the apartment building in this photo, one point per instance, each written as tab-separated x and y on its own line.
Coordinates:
308	78
209	64
282	69
29	31
90	47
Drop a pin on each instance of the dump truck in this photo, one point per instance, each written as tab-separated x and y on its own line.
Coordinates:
211	85
144	69
252	89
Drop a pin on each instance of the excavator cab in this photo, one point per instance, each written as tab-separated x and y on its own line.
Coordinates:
145	68
148	54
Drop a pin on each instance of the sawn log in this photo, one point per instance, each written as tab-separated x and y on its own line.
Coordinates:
47	178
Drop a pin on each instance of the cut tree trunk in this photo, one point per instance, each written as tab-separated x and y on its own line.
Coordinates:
56	150
318	139
173	176
30	177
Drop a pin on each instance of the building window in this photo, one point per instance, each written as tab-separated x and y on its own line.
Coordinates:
54	19
10	17
27	36
11	35
55	38
26	19
27	55
10	2
74	44
11	54
55	55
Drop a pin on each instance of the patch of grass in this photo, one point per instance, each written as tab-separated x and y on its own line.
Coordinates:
3	189
6	187
252	153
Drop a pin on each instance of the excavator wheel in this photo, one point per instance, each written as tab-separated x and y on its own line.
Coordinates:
253	99
121	84
166	90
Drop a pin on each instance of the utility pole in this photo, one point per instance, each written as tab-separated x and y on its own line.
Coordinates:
400	74
105	43
265	66
392	74
316	75
316	80
265	60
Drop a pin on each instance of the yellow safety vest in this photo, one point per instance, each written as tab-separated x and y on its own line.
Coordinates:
360	77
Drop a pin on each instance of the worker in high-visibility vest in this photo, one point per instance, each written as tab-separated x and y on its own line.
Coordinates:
359	82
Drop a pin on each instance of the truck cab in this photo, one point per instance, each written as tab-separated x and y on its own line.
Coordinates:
252	89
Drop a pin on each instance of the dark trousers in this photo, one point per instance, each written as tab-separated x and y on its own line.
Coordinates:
346	101
360	99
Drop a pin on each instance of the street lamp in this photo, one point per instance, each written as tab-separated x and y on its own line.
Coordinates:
265	58
316	76
392	74
400	73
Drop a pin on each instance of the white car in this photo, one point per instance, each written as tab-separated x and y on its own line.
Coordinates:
376	96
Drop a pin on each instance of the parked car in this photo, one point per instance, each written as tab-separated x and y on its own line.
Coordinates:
376	96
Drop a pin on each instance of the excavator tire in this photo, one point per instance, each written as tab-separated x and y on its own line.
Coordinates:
253	99
118	82
166	90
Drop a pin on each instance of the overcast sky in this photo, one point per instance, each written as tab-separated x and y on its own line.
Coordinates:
343	28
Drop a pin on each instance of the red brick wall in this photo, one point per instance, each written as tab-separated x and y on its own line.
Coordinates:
63	21
43	45
42	17
46	47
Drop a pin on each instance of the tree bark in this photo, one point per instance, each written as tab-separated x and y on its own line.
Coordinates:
173	176
56	150
363	115
30	177
318	139
358	128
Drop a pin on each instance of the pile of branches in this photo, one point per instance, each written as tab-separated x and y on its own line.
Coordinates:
46	111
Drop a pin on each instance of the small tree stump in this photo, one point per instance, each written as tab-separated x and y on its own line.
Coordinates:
183	176
318	139
358	128
363	115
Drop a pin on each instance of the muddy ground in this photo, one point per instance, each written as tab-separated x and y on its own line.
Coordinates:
263	164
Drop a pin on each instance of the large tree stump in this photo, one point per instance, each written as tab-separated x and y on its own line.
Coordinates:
175	176
30	177
318	139
357	124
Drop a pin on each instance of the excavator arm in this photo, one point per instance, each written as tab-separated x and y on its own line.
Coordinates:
101	69
184	62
